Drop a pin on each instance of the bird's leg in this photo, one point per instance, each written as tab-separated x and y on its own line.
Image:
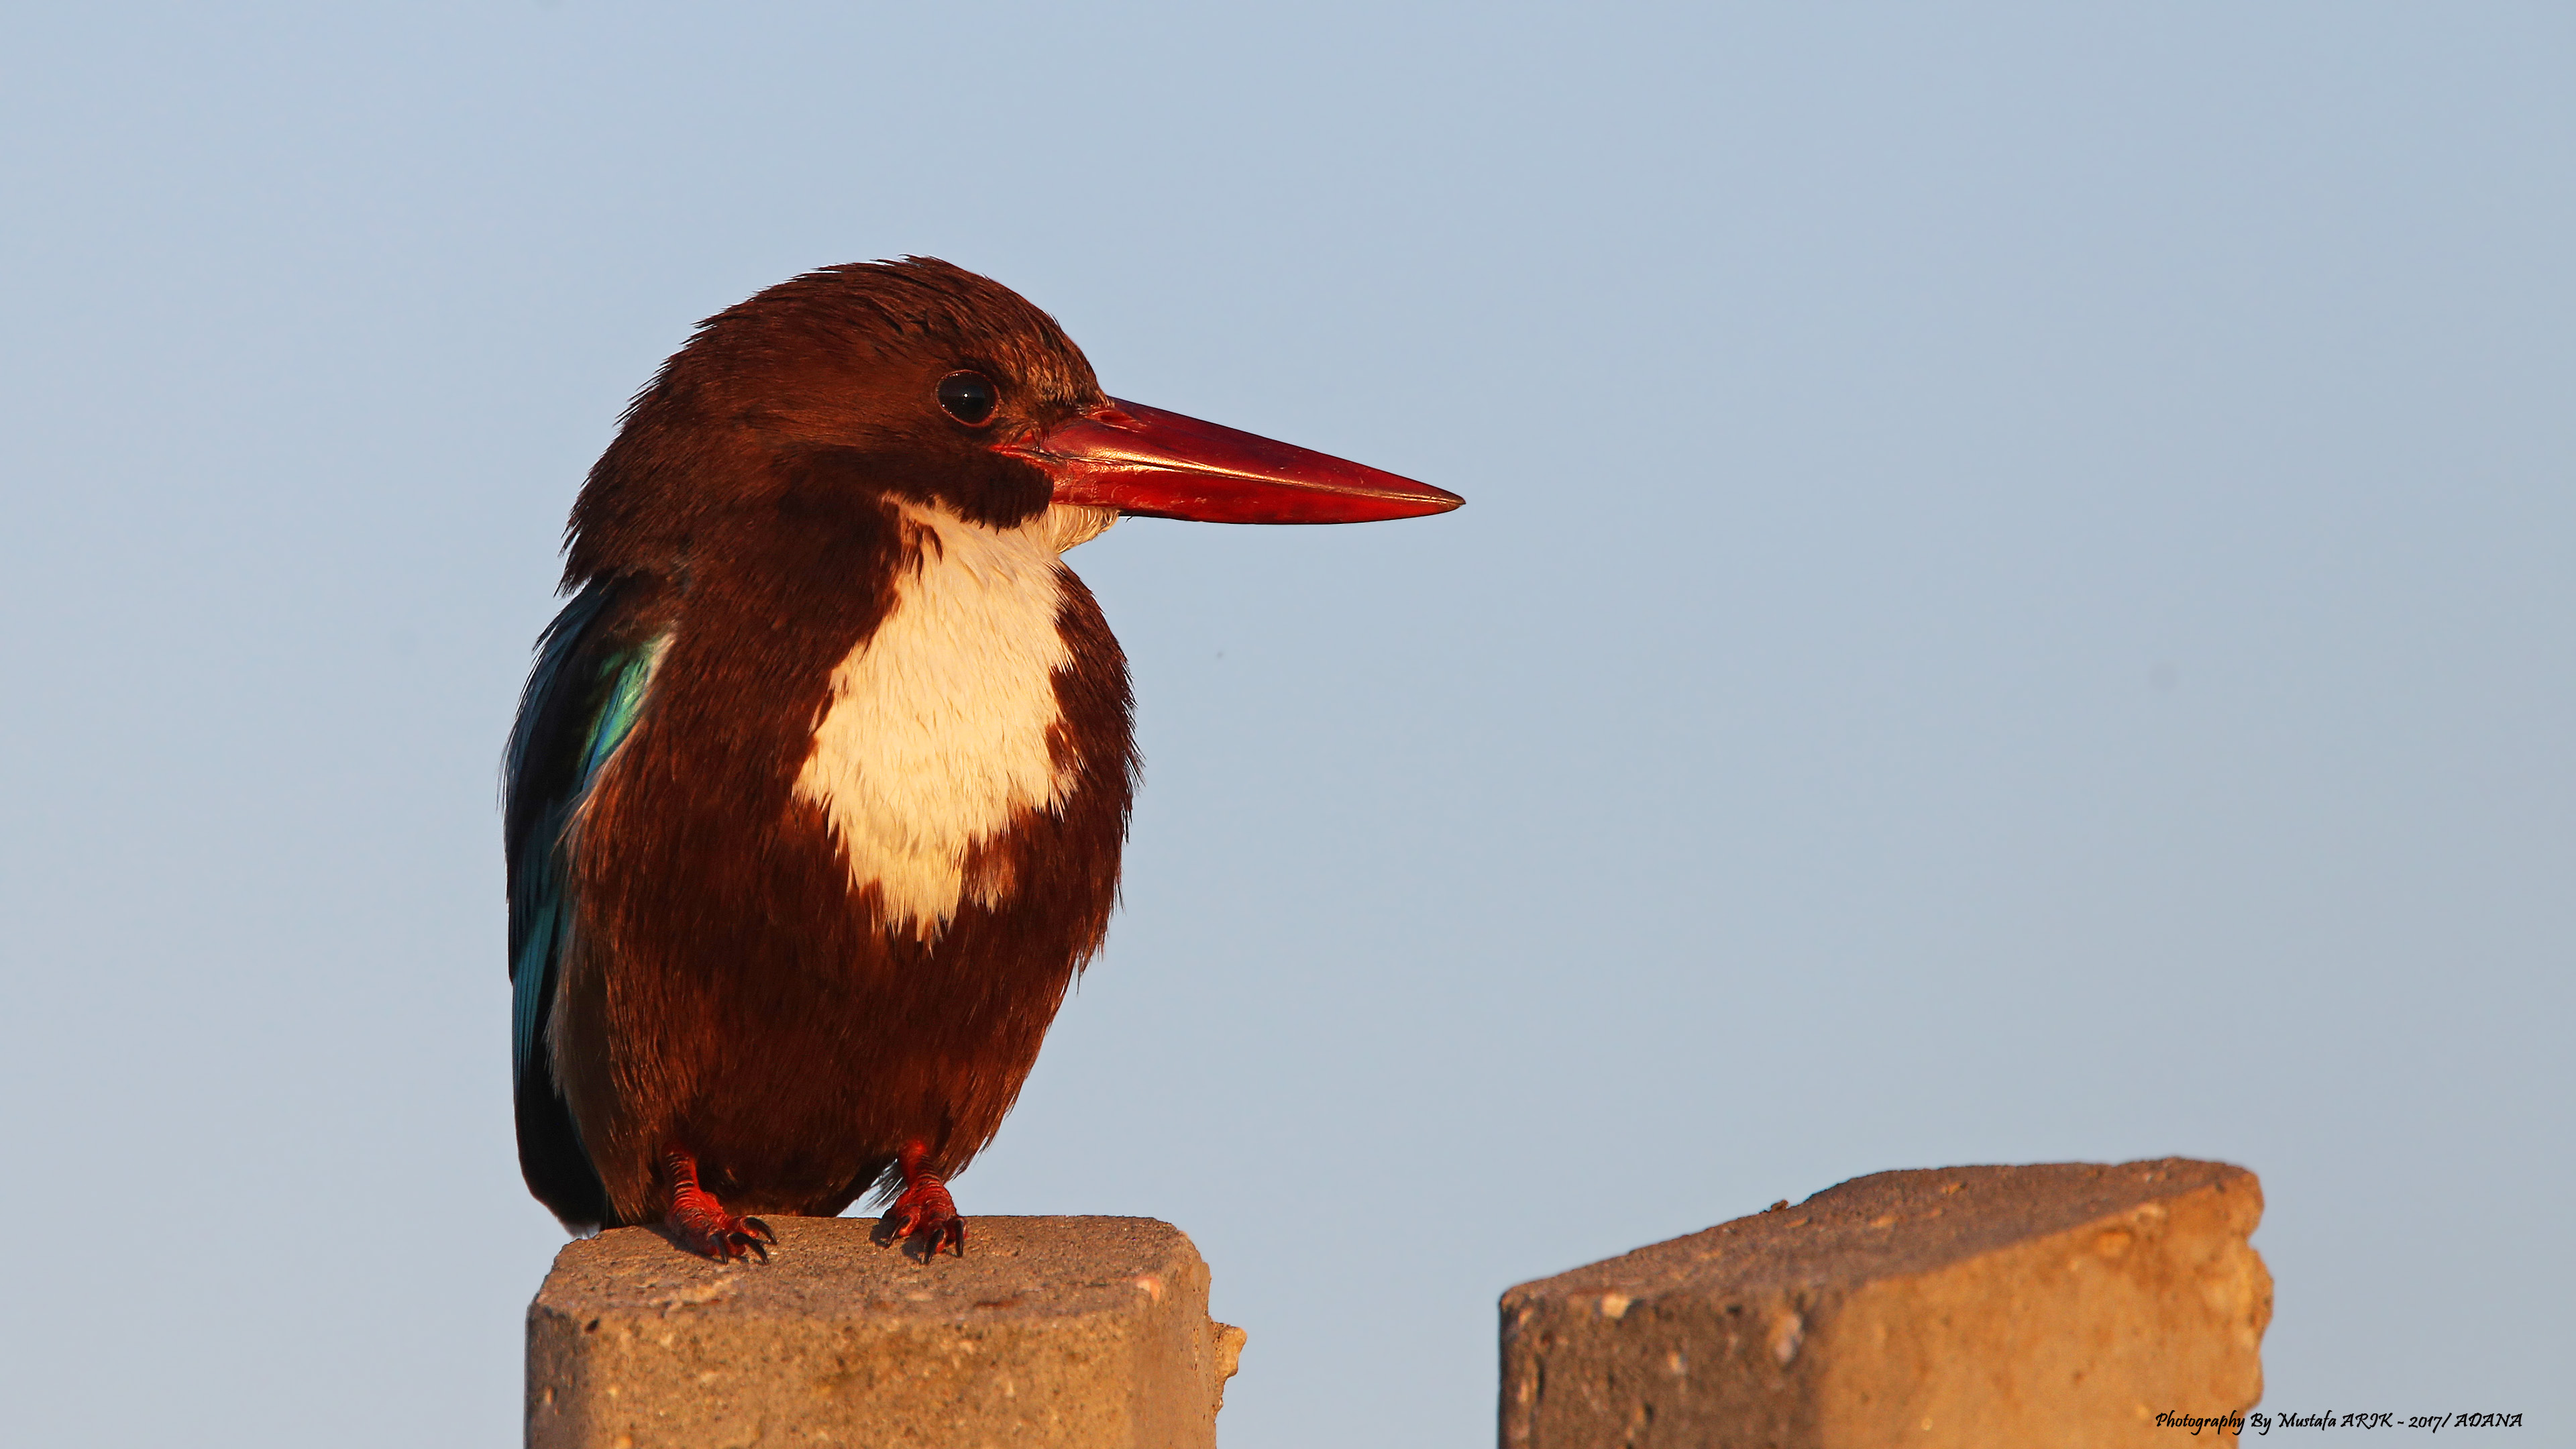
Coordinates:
702	1222
925	1213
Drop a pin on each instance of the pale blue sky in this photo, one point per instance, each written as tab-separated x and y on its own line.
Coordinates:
2016	604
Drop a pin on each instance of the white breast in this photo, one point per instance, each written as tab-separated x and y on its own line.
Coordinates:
936	734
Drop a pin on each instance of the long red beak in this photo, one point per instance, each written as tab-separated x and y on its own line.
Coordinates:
1142	460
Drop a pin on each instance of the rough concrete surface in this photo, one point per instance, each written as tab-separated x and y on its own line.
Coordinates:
1065	1331
2063	1305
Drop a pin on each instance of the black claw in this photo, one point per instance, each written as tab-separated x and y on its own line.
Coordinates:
755	1225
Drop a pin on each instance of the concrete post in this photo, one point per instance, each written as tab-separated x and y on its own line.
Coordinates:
1079	1331
2066	1305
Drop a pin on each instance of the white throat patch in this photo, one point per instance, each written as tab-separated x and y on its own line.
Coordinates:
936	734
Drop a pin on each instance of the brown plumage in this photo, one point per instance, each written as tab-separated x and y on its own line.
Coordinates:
818	790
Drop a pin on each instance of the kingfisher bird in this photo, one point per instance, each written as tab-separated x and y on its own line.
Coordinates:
814	803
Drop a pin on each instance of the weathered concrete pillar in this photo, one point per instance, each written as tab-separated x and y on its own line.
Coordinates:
1088	1332
2064	1305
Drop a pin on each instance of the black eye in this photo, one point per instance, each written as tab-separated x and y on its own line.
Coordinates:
969	397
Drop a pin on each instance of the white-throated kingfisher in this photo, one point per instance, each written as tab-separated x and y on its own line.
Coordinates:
816	796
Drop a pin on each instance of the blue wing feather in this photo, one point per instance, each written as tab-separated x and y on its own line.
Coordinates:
584	696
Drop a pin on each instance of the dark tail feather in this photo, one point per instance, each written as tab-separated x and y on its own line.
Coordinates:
551	1157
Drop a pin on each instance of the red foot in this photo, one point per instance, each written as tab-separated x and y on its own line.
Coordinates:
925	1214
702	1222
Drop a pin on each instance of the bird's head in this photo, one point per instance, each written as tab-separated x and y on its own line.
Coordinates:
919	380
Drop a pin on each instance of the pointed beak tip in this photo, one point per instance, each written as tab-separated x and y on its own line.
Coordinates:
1420	501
